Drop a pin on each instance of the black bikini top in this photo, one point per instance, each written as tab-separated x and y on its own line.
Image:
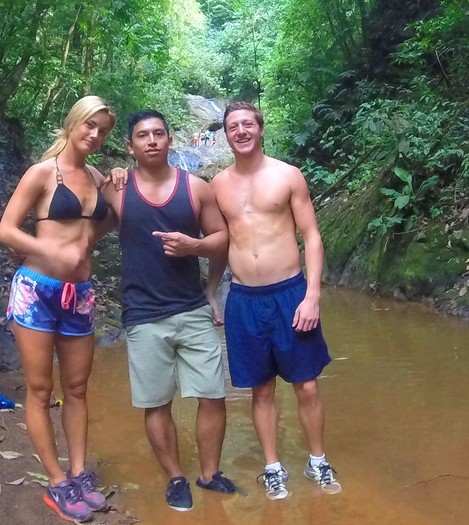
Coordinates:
66	206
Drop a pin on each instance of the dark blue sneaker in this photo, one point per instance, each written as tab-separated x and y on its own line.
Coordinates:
218	483
178	494
66	500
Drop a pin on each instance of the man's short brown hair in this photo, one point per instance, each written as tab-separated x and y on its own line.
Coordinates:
236	106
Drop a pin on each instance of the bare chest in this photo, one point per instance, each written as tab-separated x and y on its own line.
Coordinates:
253	197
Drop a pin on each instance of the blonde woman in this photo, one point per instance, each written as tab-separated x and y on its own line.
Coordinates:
51	300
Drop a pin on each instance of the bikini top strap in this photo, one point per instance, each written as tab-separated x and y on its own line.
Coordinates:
91	176
58	175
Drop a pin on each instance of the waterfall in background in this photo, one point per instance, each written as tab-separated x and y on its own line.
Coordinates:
186	160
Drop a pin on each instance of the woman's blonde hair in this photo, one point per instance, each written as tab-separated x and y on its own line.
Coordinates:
82	110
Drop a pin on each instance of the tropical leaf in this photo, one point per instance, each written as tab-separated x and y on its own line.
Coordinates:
404	175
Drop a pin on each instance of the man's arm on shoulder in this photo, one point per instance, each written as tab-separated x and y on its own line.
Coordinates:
307	314
114	196
214	228
211	221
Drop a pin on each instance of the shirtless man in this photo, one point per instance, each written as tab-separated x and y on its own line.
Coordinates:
272	312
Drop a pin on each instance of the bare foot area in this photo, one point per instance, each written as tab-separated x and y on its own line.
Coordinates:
22	476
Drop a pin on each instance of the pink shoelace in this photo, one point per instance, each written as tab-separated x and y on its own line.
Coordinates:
69	294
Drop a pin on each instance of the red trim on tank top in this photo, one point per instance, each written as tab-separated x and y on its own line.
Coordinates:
154	204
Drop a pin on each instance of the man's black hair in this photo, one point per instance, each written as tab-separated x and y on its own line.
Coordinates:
143	114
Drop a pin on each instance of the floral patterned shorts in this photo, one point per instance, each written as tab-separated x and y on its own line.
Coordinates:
46	304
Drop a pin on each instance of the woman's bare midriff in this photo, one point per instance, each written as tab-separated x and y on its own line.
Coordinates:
69	245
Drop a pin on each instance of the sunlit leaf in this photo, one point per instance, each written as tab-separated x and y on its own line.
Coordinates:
130	486
10	454
38	475
44	484
401	201
18	481
404	175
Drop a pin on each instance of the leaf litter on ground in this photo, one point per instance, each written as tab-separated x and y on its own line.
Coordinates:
10	454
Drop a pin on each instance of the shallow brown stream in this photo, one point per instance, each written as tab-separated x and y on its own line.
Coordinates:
397	432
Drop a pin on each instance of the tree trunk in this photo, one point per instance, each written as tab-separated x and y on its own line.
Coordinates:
89	53
55	88
14	76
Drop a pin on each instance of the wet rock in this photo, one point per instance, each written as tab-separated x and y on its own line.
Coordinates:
399	295
205	111
204	161
9	357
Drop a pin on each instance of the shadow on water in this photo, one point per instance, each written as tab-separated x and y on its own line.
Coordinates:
397	428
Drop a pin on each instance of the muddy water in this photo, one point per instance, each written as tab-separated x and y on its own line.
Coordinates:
397	428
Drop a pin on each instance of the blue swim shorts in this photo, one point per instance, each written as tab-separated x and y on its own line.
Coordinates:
260	340
46	304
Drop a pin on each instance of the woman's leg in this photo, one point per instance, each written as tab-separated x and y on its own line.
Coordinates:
75	360
36	350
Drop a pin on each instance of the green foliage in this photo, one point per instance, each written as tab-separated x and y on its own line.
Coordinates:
406	201
407	198
317	175
438	50
134	53
382	224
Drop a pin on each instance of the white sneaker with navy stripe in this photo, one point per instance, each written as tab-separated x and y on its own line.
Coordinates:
323	475
275	483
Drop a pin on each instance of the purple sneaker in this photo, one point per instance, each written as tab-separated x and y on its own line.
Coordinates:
87	482
66	500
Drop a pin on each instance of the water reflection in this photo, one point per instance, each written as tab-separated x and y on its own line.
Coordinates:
397	426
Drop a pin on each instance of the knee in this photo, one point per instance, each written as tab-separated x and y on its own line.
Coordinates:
307	391
163	412
213	406
75	391
39	393
263	395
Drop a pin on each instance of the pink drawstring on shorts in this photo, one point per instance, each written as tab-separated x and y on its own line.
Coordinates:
69	294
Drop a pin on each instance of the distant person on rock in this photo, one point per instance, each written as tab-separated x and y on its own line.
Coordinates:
51	299
202	138
272	312
171	338
195	140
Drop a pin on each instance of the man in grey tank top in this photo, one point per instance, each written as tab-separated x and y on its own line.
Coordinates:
169	319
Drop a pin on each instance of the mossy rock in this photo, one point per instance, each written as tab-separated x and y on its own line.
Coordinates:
428	265
344	228
420	268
